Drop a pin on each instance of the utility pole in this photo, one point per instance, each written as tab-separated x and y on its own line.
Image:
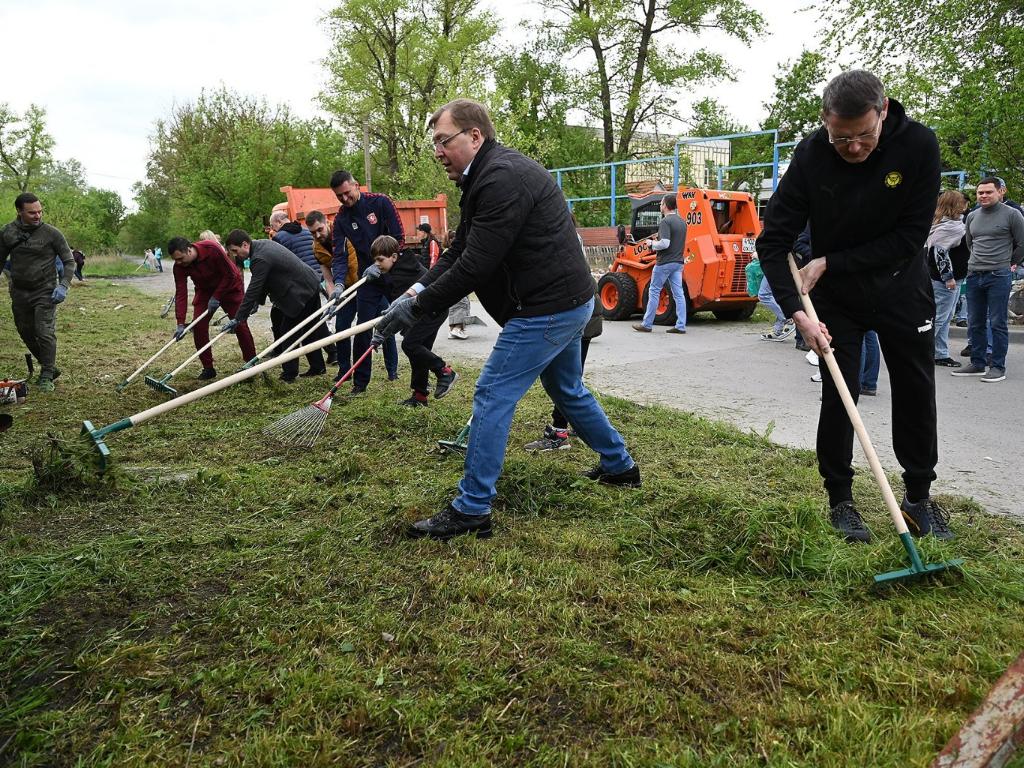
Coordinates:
366	153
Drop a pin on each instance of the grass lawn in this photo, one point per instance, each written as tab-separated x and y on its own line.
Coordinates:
218	600
114	265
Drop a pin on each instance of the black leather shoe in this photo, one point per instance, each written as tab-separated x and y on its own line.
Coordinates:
207	374
313	372
449	523
628	479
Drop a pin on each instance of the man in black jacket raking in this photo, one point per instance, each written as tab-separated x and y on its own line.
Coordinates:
517	249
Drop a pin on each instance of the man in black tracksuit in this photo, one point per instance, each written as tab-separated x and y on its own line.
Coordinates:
397	271
867	181
517	249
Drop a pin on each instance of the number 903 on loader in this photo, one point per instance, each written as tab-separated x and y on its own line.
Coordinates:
721	229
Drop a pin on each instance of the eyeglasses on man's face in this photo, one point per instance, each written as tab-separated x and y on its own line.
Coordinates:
845	141
443	143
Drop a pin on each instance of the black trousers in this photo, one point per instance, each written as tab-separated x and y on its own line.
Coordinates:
901	309
417	344
281	323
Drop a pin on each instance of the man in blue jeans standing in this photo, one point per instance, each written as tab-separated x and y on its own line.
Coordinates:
995	232
669	267
517	249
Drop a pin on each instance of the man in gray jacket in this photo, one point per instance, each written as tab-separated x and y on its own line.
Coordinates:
35	287
995	231
293	288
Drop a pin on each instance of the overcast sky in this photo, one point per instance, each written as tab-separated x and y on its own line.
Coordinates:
106	70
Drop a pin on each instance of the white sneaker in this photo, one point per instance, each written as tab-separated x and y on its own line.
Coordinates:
816	378
457	333
811	357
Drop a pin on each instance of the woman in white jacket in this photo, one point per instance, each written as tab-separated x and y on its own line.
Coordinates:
947	231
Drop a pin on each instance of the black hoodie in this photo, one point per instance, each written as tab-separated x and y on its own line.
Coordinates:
869	220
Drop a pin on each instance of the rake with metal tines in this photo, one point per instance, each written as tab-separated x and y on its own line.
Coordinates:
301	428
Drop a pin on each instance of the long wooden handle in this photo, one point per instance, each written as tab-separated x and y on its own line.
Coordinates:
277	342
165	347
198	352
248	373
311	331
851	411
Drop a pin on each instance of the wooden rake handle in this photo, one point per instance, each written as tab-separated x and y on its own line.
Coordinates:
165	347
851	410
278	342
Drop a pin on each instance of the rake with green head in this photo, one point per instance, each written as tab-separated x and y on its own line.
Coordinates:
459	444
917	568
161	385
174	340
347	294
97	435
301	428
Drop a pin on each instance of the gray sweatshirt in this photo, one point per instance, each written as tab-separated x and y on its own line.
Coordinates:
993	234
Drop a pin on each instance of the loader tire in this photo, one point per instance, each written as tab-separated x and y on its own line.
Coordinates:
667	306
736	314
617	294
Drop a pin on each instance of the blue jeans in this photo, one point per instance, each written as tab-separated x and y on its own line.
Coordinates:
767	299
870	359
343	320
988	294
945	303
527	348
673	275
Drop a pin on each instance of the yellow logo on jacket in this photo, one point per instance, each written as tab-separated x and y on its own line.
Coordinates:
893	179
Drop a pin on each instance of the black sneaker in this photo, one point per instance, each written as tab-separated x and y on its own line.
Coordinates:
553	440
926	517
869	391
846	519
961	323
802	346
449	523
207	374
947	362
313	372
415	402
966	351
357	390
445	379
627	479
286	378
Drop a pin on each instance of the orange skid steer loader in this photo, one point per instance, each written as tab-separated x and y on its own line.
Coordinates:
721	227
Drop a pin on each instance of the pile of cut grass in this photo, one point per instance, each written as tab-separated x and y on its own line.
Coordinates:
219	600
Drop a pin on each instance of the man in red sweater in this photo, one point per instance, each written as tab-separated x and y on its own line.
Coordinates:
218	283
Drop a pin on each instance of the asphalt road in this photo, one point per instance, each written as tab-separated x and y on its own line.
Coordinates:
724	371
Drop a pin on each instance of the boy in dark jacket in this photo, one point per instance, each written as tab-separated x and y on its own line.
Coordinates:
399	271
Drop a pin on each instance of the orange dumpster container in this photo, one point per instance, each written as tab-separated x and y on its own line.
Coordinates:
412	212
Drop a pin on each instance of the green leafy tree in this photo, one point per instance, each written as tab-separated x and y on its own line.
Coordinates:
957	64
393	62
636	63
25	148
219	164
